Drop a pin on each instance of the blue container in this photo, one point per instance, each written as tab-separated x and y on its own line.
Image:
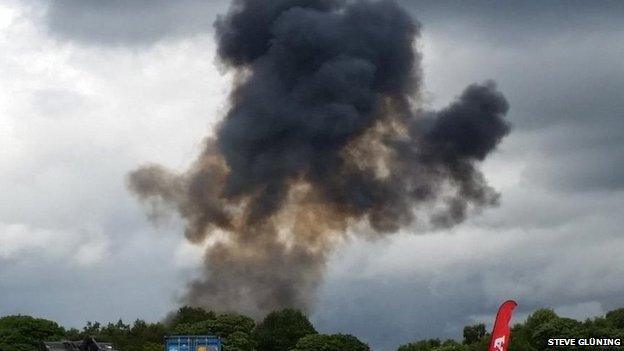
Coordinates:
192	343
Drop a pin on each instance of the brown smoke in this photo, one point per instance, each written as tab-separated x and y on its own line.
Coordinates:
323	135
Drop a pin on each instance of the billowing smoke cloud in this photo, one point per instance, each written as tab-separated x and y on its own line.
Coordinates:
324	137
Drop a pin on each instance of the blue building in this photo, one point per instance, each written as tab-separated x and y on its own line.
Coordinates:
192	343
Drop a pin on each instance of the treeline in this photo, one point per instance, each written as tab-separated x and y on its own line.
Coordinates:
285	330
290	330
533	334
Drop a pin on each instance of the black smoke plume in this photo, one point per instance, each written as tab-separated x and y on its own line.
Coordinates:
324	135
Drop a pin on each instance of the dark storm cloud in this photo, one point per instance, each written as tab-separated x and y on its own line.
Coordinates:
506	23
596	164
559	63
143	22
129	22
575	112
457	280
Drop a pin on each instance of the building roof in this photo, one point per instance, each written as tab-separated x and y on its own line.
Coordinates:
88	344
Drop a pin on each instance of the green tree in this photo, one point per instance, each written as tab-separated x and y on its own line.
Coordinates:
238	341
200	328
451	345
616	318
73	334
555	328
116	333
23	333
422	345
336	342
222	325
474	333
148	332
280	330
91	329
151	346
481	345
190	315
141	335
125	337
234	329
520	339
539	317
226	324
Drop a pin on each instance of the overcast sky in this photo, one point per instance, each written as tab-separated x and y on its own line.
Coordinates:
89	90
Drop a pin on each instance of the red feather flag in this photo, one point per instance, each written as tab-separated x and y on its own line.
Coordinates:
501	331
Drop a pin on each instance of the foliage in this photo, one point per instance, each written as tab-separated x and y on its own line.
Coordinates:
539	317
616	318
556	328
290	330
422	345
451	345
519	342
136	337
152	346
474	333
190	315
280	330
235	329
226	324
532	335
23	333
239	341
335	342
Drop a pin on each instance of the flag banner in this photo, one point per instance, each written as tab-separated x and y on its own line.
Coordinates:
501	331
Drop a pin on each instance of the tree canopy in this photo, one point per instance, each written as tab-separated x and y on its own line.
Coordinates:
290	330
19	333
335	342
532	335
281	330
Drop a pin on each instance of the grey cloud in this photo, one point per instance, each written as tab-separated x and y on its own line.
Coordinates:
559	64
134	22
579	162
73	245
454	280
125	285
564	79
140	22
507	23
564	211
